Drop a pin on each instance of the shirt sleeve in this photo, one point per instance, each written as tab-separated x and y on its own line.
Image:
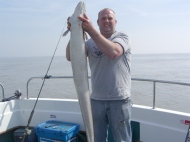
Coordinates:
123	40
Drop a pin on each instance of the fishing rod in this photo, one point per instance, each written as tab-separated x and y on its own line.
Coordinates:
27	130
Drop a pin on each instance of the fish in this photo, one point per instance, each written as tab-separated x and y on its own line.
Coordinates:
80	69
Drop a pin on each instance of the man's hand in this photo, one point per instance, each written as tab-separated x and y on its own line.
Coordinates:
68	27
68	23
86	23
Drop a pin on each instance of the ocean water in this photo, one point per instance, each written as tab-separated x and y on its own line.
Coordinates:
16	72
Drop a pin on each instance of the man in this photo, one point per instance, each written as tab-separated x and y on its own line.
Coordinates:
109	56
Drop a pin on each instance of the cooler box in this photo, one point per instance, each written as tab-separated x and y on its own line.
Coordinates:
57	131
20	133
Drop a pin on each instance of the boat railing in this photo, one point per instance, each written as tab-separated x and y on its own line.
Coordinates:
2	90
154	86
133	79
46	77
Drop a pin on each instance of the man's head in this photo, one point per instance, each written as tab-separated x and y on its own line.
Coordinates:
107	22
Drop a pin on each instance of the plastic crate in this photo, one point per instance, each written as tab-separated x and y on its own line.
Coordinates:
57	131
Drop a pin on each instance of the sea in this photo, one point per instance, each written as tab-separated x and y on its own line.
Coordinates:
16	73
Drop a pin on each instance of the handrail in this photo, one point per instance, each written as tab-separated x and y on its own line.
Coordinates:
2	90
46	77
154	86
134	79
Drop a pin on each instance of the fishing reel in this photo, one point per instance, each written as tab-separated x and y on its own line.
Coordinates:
16	96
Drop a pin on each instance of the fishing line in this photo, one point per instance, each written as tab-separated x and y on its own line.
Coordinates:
28	132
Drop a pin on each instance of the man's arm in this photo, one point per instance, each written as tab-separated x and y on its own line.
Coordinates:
68	52
111	49
68	45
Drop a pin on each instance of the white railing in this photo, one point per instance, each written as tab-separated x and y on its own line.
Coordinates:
133	79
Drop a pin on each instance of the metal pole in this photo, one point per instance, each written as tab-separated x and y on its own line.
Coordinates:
154	95
2	90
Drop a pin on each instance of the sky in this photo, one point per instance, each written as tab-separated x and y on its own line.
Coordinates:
34	27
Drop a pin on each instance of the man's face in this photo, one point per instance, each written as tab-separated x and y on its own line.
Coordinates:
107	22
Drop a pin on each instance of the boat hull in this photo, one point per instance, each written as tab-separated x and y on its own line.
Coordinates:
150	125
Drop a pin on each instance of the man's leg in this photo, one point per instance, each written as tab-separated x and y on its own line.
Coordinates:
100	120
119	116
